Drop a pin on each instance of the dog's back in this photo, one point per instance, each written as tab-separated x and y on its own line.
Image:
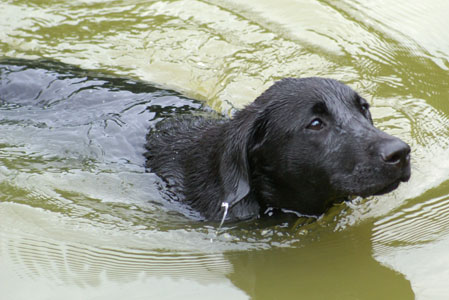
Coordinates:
176	149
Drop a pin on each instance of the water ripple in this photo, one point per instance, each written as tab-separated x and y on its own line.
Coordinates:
421	223
35	254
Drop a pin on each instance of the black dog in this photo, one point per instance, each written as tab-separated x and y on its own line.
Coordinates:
302	145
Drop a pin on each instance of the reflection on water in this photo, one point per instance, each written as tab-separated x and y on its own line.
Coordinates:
90	257
79	215
336	264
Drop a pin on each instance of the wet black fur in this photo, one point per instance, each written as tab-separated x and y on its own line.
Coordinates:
302	145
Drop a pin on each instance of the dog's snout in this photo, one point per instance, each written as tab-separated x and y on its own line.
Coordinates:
395	152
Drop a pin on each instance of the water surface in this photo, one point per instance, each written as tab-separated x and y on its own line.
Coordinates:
80	217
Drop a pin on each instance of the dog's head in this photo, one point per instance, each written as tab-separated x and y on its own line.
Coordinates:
311	142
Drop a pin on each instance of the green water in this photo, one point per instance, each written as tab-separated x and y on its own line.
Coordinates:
80	220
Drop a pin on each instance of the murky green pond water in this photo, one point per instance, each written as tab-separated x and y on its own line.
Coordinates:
80	218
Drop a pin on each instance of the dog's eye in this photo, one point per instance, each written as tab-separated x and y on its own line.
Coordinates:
316	124
365	108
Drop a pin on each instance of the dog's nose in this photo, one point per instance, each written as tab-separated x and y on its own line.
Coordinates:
395	152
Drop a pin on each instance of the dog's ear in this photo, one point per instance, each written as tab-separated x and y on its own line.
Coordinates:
248	136
234	170
249	130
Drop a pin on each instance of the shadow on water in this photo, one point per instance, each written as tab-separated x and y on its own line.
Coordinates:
320	262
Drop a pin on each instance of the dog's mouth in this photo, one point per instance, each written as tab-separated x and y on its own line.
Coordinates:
389	188
380	190
392	186
384	190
